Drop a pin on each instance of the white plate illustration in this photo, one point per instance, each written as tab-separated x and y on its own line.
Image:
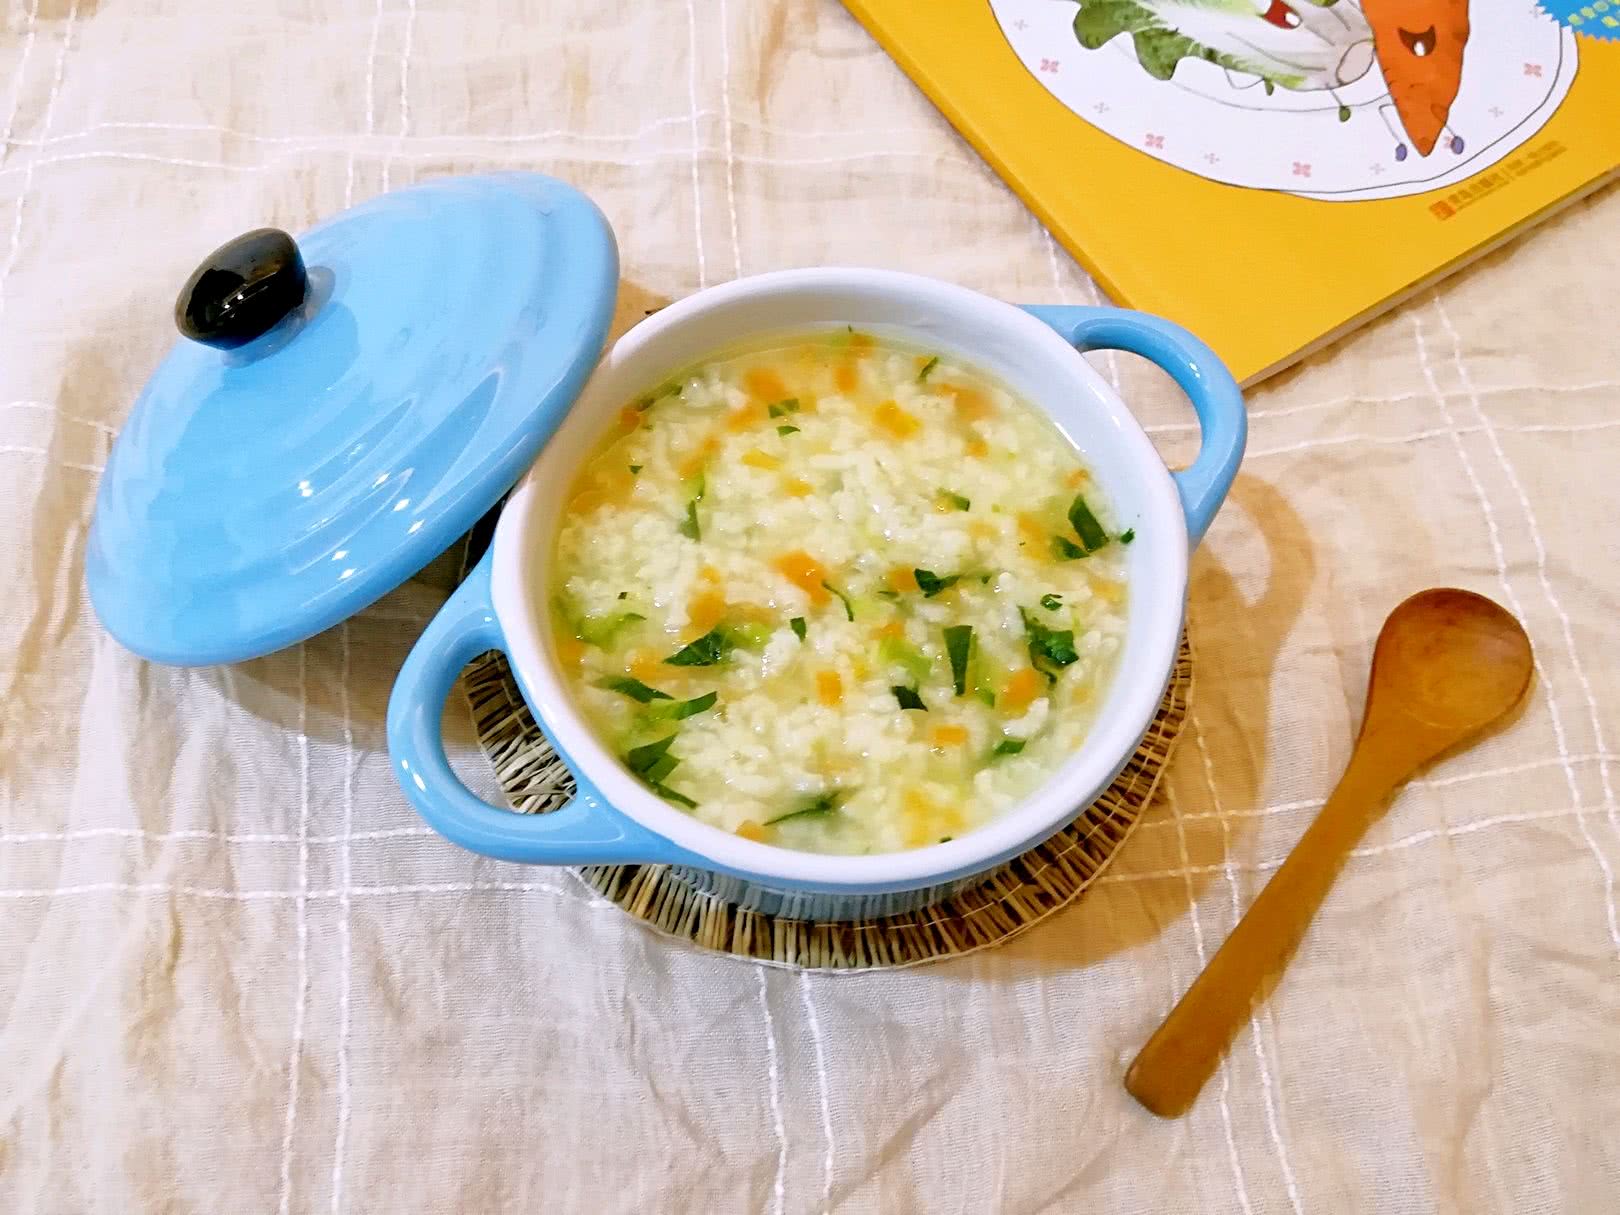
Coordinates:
1289	95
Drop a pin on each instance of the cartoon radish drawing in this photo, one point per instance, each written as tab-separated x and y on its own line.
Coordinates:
1334	100
1420	44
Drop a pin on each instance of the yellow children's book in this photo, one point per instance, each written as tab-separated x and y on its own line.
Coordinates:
1271	173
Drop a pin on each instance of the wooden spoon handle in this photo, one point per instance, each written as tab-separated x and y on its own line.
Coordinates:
1172	1068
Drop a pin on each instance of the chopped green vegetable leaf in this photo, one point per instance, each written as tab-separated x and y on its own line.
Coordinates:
927	368
1048	648
601	630
680	799
1085	524
891	596
945	839
782	408
660	768
635	469
640	759
634	689
624	594
679	710
819	807
932	584
688	526
908	698
653	763
750	636
902	653
797	625
1126	536
690	708
956	499
1009	746
849	608
959	646
1051	602
986	695
984	579
671	389
1065	549
784	431
707	650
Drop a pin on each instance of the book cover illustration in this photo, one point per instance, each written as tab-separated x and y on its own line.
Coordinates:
1337	100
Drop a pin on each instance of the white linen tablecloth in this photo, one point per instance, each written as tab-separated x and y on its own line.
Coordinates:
237	974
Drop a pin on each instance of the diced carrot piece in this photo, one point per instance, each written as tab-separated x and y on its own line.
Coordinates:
708	573
949	736
982	530
860	341
1033	530
755	458
705	611
693	464
749	416
629	419
919	814
646	666
614	482
804	572
902	579
845	377
977	448
922	360
971	404
766	386
829	688
1078	478
1108	591
748	829
894	421
836	765
1020	691
894	628
584	503
796	487
569	651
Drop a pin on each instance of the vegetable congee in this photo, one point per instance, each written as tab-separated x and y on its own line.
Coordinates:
838	594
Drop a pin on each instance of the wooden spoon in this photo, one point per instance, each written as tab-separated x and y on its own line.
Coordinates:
1448	663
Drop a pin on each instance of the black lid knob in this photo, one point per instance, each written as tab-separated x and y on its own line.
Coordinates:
242	289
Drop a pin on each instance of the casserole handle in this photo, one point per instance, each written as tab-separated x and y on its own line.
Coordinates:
583	832
1215	396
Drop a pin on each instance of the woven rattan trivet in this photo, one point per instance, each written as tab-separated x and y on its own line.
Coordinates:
1022	893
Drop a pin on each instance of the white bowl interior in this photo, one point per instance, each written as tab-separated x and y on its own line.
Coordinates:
1023	353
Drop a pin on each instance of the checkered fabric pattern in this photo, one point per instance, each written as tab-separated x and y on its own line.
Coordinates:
236	972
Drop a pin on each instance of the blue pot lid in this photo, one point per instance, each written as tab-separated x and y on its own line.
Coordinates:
347	406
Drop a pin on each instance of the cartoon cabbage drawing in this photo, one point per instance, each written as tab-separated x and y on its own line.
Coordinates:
1290	44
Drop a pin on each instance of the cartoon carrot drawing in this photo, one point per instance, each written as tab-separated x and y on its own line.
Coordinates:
1419	45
